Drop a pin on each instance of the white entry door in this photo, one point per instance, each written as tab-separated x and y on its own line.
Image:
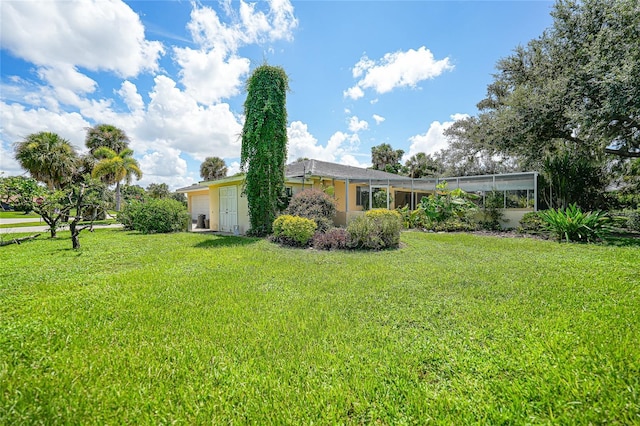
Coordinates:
228	208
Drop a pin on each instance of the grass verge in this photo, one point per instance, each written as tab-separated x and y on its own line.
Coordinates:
196	328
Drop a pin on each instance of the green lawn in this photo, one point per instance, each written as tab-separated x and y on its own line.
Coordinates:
17	215
195	328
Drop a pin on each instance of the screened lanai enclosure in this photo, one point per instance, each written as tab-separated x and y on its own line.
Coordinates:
518	191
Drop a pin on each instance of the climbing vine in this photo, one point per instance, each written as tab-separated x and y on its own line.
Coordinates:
264	145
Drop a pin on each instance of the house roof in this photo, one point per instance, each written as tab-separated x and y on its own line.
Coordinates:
332	170
191	188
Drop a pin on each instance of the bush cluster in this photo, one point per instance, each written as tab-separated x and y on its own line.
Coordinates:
293	230
375	230
333	239
633	221
531	223
154	216
315	205
571	224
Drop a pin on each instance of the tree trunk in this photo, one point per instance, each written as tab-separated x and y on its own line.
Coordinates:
117	196
18	240
52	225
75	232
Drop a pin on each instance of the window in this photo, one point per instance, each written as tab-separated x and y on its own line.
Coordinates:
362	196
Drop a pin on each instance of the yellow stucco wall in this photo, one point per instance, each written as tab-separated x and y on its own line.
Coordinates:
242	207
243	212
214	210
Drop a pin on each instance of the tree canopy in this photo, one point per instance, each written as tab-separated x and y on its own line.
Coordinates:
385	158
48	158
264	145
213	168
106	135
117	167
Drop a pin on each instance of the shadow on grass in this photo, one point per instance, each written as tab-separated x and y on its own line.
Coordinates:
628	240
226	241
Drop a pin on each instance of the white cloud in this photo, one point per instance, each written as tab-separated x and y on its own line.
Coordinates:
214	71
129	93
233	168
67	77
303	144
18	122
350	160
209	76
354	93
397	69
434	139
201	131
245	26
378	119
356	125
163	161
96	35
283	19
8	164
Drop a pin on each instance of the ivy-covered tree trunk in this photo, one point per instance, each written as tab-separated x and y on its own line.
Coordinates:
264	145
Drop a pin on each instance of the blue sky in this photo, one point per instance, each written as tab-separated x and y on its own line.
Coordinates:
172	73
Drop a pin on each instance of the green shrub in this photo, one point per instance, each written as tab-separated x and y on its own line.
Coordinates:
531	223
571	224
375	230
633	221
444	205
127	215
155	216
333	239
492	211
315	205
293	230
412	219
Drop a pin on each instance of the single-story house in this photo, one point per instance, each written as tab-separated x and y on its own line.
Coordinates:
226	208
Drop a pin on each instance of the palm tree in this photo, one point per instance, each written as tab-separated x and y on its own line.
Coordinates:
421	165
106	135
213	168
115	167
48	158
385	158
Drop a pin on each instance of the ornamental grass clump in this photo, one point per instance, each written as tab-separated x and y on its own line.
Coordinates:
377	229
293	231
571	224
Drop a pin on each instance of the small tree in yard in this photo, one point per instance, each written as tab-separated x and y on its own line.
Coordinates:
264	145
55	207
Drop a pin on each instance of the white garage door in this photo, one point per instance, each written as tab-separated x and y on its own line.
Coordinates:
199	205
